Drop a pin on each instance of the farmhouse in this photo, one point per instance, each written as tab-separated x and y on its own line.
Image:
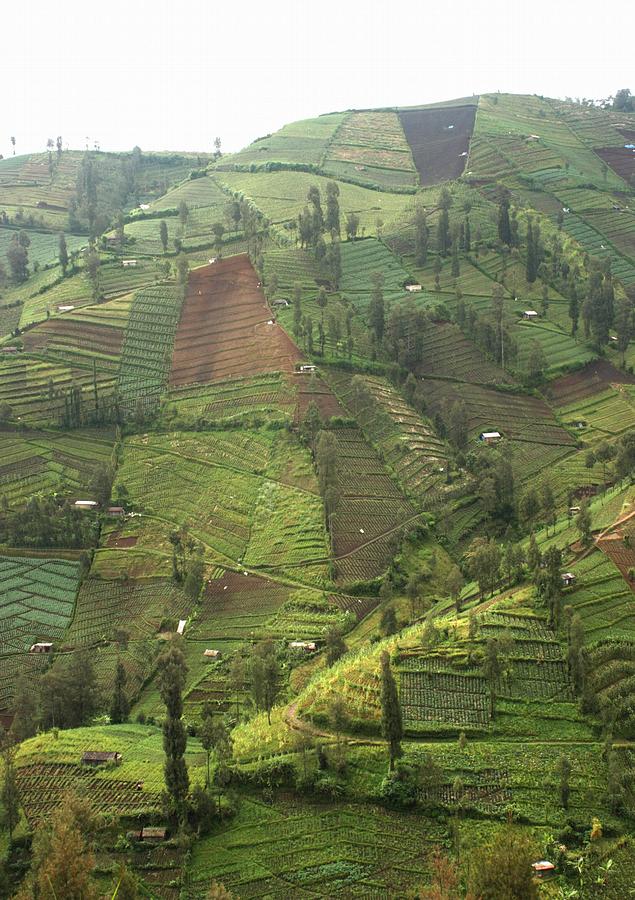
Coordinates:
41	647
543	868
490	437
413	288
85	504
305	646
307	369
128	263
568	578
100	757
153	833
212	654
530	314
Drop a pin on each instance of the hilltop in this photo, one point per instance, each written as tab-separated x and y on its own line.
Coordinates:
363	387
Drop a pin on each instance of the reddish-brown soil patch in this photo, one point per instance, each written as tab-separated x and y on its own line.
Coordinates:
224	329
620	159
121	542
594	378
439	140
623	557
311	389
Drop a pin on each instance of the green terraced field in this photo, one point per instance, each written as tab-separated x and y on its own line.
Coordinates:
146	355
37	598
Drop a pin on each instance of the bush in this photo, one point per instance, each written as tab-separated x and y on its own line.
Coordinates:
329	786
399	788
269	773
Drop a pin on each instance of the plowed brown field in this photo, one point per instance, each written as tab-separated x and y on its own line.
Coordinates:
224	328
439	140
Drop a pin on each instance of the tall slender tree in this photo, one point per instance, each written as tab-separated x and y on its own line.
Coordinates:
391	722
172	674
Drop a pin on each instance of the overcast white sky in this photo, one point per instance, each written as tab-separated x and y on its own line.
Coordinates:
173	75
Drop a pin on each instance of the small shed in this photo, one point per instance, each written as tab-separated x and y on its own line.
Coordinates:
85	504
568	578
128	263
116	511
305	646
282	303
543	868
413	288
41	647
181	626
100	757
307	369
153	833
489	437
212	654
530	314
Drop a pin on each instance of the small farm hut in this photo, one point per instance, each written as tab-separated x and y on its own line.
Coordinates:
100	757
10	349
530	314
41	647
65	307
153	833
129	263
85	504
181	626
116	511
305	646
306	369
543	868
413	288
568	578
489	437
212	654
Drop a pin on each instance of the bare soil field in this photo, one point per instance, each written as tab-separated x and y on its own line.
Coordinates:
312	389
594	378
621	160
227	328
439	140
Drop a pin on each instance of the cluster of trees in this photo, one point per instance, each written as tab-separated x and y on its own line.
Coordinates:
47	522
66	696
106	185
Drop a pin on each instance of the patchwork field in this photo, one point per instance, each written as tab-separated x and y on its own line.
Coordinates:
371	148
226	327
408	443
34	462
37	602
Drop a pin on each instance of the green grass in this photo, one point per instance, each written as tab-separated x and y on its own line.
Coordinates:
282	195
